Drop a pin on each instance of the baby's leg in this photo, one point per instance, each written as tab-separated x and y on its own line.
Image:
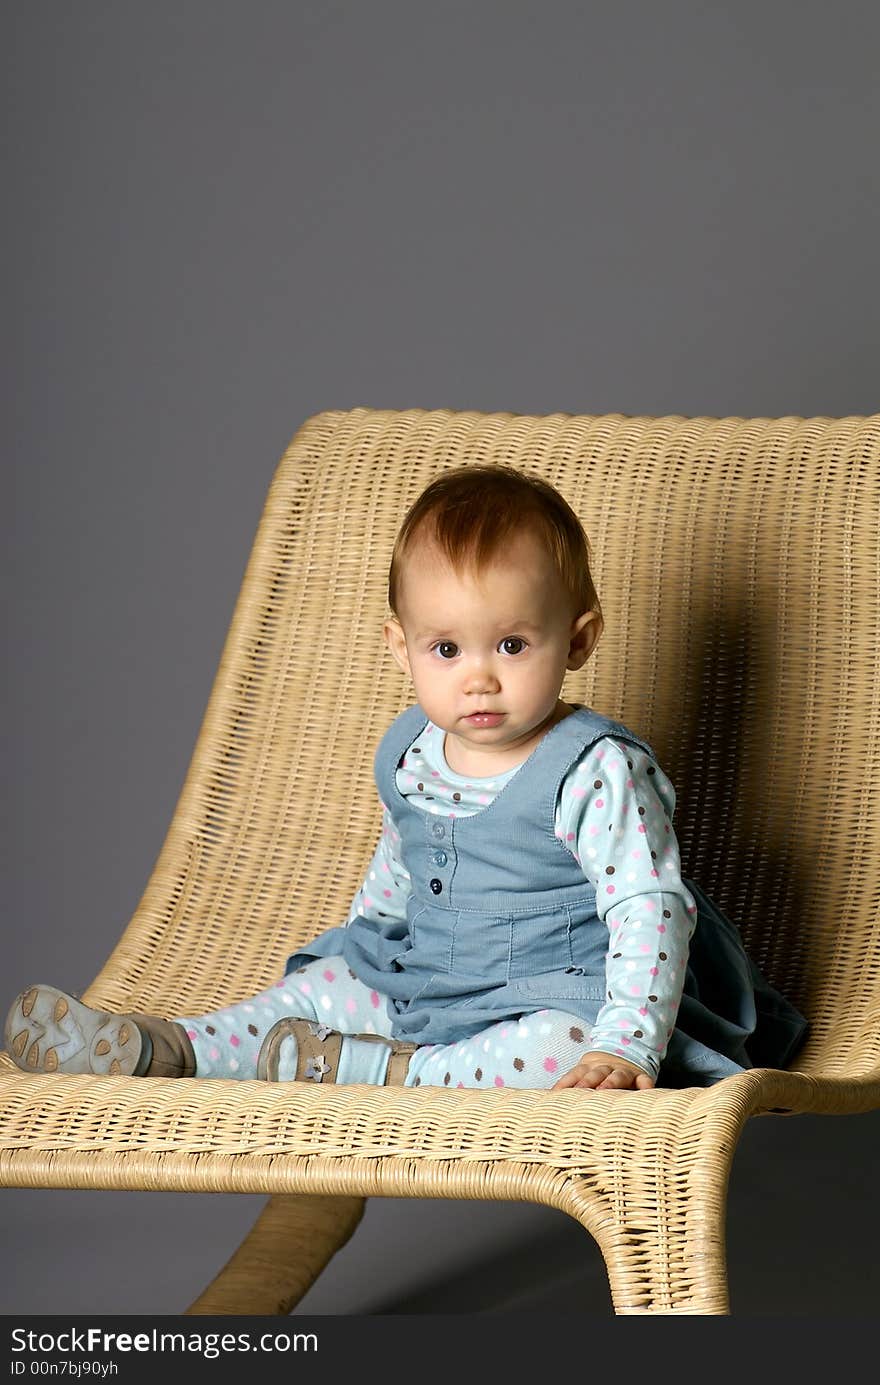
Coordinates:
226	1043
533	1051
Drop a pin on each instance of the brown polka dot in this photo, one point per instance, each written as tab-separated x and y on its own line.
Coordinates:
300	970
478	1074
446	1077
618	954
638	1034
662	956
651	769
417	1082
416	750
429	798
577	1035
597	783
457	797
352	973
420	787
652	997
609	995
209	1029
667	914
252	1029
518	1064
641	812
629	764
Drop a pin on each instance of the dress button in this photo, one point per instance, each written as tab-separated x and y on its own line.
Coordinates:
438	829
440	858
436	886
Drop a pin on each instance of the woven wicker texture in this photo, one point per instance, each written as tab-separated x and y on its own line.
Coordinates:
738	565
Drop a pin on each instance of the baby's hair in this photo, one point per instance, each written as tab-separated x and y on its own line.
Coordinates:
472	512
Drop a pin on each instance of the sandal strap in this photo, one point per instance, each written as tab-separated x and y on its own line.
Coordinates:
318	1048
317	1057
398	1064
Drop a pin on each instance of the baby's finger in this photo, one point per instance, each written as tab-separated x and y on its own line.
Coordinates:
618	1077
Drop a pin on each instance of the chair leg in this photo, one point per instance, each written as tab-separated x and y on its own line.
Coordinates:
291	1241
662	1259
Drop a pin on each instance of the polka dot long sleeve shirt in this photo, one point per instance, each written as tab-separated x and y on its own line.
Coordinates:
614	814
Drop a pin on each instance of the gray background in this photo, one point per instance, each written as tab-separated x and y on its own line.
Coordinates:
221	218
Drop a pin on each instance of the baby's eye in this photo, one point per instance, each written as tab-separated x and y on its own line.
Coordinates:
443	645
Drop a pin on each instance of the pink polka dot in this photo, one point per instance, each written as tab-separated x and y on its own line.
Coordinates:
654	871
626	1041
621	1052
387	894
351	1005
661	927
569	837
610	889
642	827
329	975
214	1053
550	1065
499	1081
305	988
643	1009
278	984
655	971
578	792
192	1033
374	999
600	803
234	1040
630	784
459	1084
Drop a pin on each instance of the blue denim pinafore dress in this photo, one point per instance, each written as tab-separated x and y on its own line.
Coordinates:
501	921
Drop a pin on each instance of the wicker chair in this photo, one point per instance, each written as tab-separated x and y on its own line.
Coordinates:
737	561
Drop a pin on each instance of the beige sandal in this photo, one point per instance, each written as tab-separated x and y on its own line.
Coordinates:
317	1052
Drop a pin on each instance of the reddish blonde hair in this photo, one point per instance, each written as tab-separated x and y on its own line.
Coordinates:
471	512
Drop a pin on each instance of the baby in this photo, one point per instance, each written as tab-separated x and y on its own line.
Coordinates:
523	921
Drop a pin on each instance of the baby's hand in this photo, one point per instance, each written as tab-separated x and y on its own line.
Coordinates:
605	1071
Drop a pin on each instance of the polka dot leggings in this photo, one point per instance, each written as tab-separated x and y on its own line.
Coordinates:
533	1051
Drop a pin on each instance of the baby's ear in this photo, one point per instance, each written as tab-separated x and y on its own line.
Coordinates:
392	632
586	630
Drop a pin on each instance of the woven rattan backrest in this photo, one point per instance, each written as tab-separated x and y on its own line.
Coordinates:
737	565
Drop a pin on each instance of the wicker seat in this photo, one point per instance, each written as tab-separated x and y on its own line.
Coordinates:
737	563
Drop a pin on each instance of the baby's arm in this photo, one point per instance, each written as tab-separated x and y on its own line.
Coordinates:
615	816
386	886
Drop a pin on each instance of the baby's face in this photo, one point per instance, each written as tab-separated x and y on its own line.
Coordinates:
500	644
